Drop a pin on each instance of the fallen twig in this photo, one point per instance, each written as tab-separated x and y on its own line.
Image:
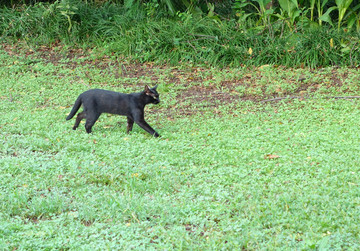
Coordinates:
204	36
307	97
281	98
346	97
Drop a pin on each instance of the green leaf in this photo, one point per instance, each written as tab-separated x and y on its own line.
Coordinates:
296	14
323	3
287	5
170	6
128	3
351	21
326	16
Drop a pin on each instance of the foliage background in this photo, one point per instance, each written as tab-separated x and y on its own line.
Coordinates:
220	33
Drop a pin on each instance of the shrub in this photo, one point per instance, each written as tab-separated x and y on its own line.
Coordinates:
187	38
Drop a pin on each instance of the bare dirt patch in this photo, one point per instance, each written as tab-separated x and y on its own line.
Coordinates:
200	86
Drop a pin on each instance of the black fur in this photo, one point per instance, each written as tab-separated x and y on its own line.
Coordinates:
130	105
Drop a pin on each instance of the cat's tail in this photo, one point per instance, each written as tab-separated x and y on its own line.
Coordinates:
74	109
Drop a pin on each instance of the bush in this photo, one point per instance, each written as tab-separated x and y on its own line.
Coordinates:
187	38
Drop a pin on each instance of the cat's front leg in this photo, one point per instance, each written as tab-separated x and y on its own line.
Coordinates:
139	119
147	127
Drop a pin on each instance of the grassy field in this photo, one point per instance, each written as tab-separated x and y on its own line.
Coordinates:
229	172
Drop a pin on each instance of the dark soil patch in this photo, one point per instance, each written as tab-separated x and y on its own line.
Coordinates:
195	79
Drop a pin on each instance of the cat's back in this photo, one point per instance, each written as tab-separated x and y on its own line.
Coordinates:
106	101
101	94
97	92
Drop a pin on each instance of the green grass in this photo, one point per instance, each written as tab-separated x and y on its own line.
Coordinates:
242	175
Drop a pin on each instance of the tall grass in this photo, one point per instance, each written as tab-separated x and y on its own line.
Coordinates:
187	38
206	42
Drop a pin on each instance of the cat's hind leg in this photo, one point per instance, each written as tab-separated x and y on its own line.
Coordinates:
130	123
79	117
90	121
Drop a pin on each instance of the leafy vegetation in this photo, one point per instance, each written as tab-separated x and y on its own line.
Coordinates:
254	34
226	174
303	13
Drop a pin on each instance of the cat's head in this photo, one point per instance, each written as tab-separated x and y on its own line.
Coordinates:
153	94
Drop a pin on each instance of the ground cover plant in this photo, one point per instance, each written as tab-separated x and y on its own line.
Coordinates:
229	172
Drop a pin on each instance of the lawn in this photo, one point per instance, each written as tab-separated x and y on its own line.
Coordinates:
229	172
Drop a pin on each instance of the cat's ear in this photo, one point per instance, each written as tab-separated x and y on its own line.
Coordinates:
154	88
147	90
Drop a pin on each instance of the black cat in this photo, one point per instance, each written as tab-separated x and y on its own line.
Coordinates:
130	105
